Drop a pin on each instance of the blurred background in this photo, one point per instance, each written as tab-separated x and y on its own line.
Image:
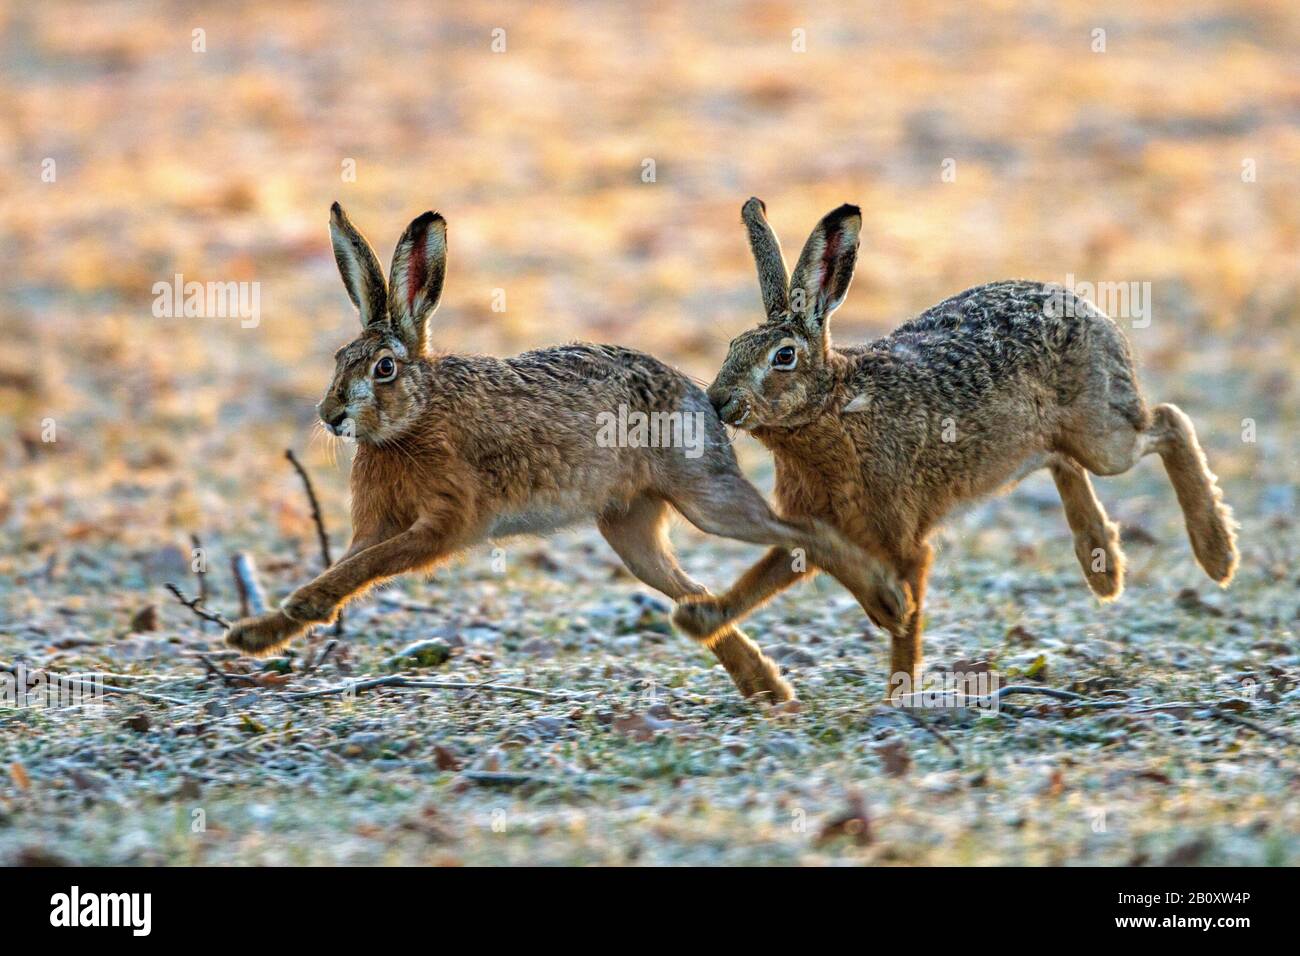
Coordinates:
209	141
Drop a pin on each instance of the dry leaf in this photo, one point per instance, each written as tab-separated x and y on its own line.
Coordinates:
445	758
137	722
643	727
852	823
145	619
271	679
895	757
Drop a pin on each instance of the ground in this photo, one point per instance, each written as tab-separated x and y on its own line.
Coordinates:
1169	158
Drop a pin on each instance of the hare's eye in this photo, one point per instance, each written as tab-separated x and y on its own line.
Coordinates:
385	369
785	358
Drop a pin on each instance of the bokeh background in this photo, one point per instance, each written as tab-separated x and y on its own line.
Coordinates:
1172	157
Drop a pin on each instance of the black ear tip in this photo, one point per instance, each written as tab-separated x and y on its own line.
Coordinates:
837	217
752	201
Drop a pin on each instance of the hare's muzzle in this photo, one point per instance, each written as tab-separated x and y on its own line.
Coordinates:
730	408
333	417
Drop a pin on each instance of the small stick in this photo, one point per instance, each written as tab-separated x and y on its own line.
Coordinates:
320	524
398	680
324	654
196	606
505	778
234	748
160	698
201	574
252	598
925	725
66	680
1077	700
1269	732
226	677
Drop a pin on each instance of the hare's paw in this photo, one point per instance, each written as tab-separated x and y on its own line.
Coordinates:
700	617
761	680
891	604
309	606
263	634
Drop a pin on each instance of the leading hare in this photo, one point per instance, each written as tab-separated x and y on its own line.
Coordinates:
455	449
883	439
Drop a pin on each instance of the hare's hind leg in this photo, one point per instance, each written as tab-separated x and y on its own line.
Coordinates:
775	571
1210	524
1111	445
905	651
639	537
1096	537
726	504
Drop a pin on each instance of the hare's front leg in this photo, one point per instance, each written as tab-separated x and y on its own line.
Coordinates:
420	546
638	535
704	615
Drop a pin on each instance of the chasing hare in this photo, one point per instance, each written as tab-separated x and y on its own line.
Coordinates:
455	449
881	440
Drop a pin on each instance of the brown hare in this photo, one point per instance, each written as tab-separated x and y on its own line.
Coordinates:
455	449
881	440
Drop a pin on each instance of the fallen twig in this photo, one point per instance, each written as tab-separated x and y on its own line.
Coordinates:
398	680
160	698
924	725
320	524
252	599
1079	700
226	677
1269	732
234	748
315	505
200	572
196	606
1075	700
89	682
325	652
502	778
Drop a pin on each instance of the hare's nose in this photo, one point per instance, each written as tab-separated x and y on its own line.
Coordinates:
332	418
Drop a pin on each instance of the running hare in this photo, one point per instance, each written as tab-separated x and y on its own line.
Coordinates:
882	440
453	449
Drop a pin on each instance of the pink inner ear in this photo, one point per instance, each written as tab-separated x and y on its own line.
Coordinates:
828	260
417	267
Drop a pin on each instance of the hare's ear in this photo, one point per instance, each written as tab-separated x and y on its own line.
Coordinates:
359	267
825	268
415	280
772	278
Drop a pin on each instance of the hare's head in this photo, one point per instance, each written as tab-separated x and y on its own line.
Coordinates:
777	376
378	383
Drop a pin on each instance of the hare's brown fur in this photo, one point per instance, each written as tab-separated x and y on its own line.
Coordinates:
882	440
455	449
